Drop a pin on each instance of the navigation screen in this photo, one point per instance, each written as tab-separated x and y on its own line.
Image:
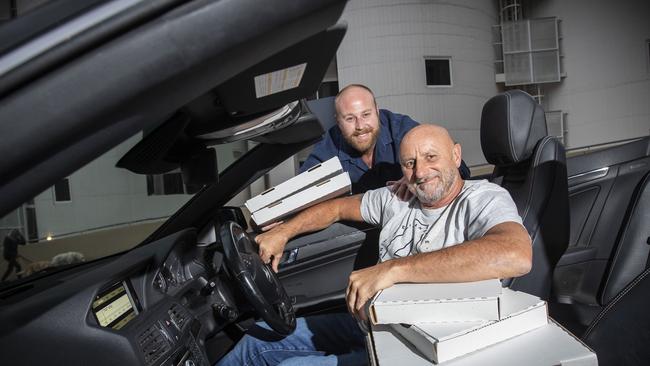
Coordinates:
114	308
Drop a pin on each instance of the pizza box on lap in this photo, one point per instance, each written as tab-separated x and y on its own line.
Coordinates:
440	342
548	345
436	302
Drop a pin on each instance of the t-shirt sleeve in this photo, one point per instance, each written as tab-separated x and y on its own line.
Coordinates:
493	206
373	205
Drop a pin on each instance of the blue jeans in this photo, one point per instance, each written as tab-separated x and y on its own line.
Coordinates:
328	339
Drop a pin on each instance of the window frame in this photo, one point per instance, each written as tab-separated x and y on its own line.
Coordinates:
451	73
54	195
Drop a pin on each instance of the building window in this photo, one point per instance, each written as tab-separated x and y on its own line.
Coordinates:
531	51
438	71
555	124
62	190
165	184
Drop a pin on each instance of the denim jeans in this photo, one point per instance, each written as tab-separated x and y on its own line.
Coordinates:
328	339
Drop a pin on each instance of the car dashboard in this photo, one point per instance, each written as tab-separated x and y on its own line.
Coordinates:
153	305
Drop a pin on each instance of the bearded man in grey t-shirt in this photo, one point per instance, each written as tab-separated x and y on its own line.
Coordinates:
451	230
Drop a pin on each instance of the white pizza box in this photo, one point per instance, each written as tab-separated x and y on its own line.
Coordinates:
313	175
436	302
322	191
549	345
440	342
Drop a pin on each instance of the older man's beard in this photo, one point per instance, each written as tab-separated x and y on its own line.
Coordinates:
447	180
363	147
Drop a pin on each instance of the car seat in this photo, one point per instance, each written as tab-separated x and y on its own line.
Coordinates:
532	166
631	250
620	333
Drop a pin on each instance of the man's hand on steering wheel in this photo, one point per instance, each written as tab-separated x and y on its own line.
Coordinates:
259	284
272	245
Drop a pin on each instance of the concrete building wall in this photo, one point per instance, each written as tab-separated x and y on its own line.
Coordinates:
102	195
385	48
606	92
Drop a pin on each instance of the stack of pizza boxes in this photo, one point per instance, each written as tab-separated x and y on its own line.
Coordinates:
319	183
473	323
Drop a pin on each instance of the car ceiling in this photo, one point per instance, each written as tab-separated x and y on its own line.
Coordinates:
71	114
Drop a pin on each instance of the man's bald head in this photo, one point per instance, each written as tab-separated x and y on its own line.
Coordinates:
354	91
430	161
431	132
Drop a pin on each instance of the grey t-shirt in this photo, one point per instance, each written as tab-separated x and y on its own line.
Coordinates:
408	229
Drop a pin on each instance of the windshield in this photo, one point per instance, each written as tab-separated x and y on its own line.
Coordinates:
97	211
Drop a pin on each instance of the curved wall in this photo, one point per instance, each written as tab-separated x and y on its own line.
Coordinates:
385	48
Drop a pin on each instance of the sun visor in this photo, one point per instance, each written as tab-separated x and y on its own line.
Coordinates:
289	75
260	103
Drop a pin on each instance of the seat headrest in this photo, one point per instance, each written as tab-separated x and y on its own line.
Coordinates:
511	125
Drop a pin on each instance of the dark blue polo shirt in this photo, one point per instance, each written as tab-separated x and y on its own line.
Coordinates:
386	156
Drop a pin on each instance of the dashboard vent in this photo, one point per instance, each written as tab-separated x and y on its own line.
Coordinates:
154	344
178	316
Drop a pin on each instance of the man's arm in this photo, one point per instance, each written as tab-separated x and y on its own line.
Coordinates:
504	251
317	217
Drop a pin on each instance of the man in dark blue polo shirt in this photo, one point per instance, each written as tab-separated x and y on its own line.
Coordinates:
366	140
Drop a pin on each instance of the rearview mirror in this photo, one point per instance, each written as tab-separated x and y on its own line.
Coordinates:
200	169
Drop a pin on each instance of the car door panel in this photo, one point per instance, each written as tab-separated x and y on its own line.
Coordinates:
316	267
598	197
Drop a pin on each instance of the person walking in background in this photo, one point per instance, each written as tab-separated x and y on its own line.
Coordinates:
10	251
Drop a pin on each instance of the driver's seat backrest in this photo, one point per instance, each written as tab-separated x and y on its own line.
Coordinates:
532	166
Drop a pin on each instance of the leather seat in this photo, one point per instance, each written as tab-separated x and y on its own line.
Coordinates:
532	166
631	250
620	333
630	258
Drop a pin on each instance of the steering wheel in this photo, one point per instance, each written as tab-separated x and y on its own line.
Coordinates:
256	279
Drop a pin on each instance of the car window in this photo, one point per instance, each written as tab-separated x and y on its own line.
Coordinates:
97	211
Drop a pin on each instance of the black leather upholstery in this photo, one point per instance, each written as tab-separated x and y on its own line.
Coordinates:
620	334
632	248
511	125
532	167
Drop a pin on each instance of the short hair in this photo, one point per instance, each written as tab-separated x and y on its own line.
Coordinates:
355	86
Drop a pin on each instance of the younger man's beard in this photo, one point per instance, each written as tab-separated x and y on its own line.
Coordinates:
370	144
